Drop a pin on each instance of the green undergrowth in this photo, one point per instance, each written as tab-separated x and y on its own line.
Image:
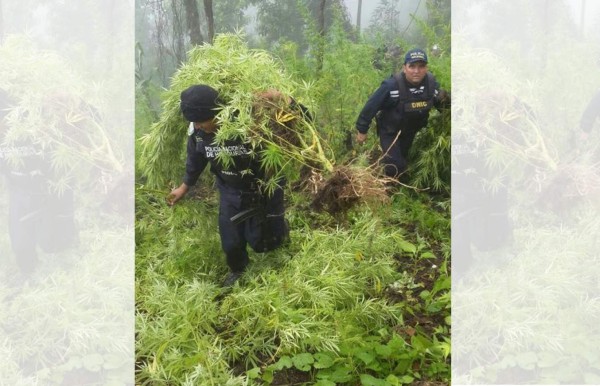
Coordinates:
363	301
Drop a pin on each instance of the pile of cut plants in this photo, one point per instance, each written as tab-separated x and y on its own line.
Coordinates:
284	137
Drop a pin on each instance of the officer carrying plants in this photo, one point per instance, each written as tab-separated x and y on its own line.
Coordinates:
401	106
247	215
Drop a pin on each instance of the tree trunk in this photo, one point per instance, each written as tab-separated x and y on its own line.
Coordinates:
177	41
208	11
358	16
321	43
193	22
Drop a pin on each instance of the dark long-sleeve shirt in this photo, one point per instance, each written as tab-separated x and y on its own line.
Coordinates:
386	98
201	151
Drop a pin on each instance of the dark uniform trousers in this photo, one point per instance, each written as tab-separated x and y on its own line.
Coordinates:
395	160
264	232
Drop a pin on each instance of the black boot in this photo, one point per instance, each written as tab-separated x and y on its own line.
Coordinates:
232	278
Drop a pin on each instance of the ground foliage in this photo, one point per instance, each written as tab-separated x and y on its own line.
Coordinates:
364	302
361	297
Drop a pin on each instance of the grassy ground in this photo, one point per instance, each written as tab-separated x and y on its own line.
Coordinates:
364	300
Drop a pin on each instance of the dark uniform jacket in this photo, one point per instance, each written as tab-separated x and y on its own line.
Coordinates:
406	108
240	175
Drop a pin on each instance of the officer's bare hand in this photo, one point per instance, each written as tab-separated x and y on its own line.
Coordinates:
177	194
361	138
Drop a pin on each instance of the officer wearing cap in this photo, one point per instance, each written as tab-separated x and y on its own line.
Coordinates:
401	106
246	215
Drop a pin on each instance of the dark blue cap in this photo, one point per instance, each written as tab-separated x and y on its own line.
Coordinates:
199	103
415	55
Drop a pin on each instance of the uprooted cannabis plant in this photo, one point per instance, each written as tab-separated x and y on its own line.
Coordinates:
285	139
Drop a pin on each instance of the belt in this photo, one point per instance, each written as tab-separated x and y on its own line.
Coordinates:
246	214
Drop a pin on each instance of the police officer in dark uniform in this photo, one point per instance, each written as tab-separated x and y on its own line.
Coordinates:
401	106
246	215
38	216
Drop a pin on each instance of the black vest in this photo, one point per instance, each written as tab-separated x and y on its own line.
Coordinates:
412	109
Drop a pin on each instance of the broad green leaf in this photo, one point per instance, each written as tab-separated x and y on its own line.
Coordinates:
253	373
325	382
267	376
336	374
420	342
407	246
322	361
303	361
393	380
366	357
383	351
285	362
369	380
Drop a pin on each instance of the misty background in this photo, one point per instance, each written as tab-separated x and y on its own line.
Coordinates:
164	32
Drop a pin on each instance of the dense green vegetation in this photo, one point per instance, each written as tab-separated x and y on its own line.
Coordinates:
360	298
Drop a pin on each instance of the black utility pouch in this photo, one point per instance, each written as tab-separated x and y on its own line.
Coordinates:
251	199
253	204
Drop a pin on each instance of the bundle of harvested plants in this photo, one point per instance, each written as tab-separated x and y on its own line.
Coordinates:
263	107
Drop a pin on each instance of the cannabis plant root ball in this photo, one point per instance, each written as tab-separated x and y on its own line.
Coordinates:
346	187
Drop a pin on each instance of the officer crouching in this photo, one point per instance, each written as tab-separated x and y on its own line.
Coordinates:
246	215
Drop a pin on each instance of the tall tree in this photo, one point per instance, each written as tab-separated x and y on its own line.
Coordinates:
208	11
230	15
321	29
178	46
288	20
193	22
358	16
